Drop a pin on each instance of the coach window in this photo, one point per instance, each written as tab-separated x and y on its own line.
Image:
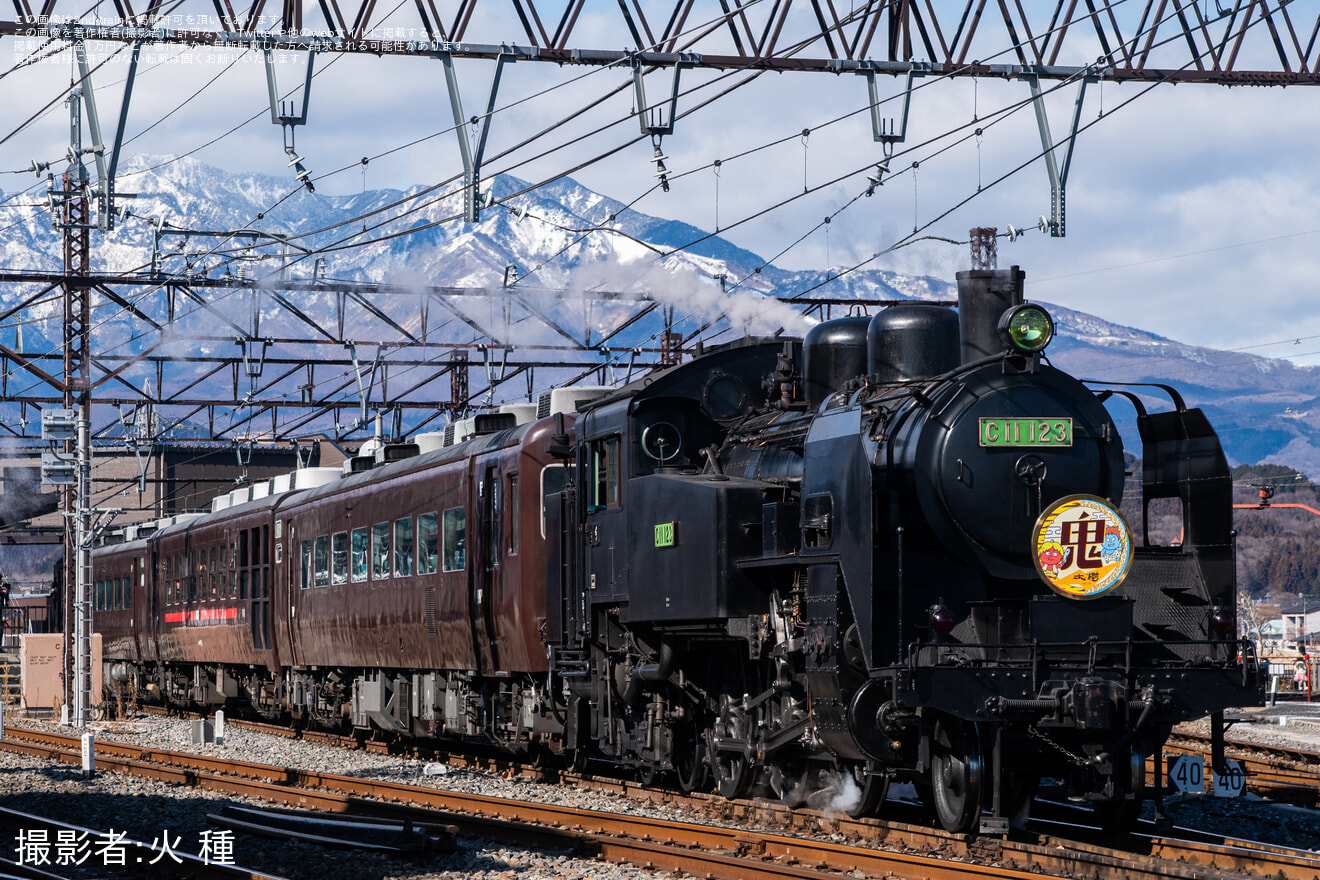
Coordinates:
128	594
339	558
233	569
513	514
403	547
306	581
380	551
428	543
119	594
322	560
455	527
243	563
359	555
100	596
605	468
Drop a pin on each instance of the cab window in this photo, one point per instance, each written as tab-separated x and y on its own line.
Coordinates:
605	474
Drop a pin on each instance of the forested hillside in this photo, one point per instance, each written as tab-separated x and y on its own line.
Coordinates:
1278	547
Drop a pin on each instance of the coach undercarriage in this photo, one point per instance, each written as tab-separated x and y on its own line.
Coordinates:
510	712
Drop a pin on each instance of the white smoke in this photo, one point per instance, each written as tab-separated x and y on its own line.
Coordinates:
829	791
696	299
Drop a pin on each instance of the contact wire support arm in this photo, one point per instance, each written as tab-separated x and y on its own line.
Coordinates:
471	155
1057	170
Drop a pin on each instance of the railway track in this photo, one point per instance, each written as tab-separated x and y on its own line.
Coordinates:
700	849
1281	773
137	856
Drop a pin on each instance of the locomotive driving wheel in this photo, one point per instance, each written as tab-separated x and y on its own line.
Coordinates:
874	785
956	774
731	769
690	763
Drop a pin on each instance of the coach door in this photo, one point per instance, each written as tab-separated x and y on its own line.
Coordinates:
254	582
484	579
155	583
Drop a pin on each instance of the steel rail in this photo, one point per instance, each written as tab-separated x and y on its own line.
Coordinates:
1284	774
186	865
1245	857
699	849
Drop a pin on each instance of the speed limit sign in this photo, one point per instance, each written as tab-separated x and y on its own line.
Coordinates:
1232	783
1187	773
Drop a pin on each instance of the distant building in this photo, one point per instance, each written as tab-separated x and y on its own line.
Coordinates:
1272	637
1301	623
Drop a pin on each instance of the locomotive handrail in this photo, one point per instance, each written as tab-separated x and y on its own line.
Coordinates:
1179	404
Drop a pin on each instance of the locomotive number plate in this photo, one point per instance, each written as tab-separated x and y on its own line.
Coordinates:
1026	432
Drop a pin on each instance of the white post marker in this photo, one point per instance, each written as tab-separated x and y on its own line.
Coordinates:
219	733
88	754
2	720
1232	783
1187	773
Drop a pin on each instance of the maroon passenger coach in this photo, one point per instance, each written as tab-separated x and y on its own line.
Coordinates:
405	592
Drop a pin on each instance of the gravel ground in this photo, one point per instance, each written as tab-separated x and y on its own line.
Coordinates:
1287	725
145	810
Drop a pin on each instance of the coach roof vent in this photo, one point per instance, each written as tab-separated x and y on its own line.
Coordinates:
460	431
175	520
397	452
359	463
523	413
567	400
219	503
430	441
491	423
308	478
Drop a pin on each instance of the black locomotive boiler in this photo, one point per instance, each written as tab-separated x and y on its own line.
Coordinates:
893	551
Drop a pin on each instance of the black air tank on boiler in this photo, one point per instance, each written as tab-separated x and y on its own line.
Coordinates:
911	341
832	353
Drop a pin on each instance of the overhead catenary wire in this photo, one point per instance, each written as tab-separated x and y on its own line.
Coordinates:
648	191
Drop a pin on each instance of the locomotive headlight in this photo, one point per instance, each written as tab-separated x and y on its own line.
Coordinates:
1026	329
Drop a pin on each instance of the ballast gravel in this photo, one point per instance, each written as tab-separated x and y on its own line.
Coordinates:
149	812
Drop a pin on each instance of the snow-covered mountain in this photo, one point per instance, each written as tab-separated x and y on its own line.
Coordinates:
564	236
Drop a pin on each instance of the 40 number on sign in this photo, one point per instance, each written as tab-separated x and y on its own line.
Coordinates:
1187	774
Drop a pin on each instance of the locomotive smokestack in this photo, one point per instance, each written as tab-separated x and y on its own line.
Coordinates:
983	296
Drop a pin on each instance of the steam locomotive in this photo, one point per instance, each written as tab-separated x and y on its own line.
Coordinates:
890	551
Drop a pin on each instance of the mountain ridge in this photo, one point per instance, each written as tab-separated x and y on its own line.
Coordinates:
563	235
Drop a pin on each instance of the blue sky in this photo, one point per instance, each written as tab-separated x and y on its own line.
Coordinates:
1190	209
